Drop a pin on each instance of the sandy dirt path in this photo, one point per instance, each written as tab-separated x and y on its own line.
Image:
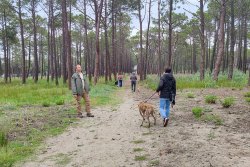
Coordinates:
114	138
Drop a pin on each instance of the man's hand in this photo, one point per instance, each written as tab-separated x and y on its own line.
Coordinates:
158	93
172	105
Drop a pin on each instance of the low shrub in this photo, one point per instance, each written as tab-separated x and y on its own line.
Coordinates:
227	102
210	99
197	111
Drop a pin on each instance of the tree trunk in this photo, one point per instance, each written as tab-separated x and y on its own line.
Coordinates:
159	36
202	40
239	59
113	39
65	43
107	62
214	47
28	71
36	65
194	57
4	47
141	57
86	47
170	29
232	43
244	62
22	42
98	13
221	37
248	74
53	41
147	41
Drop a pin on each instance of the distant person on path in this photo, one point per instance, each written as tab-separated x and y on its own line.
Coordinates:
133	80
120	77
80	89
167	91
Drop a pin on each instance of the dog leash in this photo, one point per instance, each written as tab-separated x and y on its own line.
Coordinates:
149	97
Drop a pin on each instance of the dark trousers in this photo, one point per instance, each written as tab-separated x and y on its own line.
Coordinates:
133	85
120	83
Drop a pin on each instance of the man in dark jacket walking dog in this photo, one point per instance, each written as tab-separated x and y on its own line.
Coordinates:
80	89
167	92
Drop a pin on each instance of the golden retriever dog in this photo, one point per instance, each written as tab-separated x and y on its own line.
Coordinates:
146	110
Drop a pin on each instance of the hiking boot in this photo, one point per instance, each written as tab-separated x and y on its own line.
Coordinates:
90	115
79	116
165	123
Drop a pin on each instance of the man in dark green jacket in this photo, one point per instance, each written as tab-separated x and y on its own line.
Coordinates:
80	89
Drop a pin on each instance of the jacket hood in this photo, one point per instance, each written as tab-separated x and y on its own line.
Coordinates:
168	76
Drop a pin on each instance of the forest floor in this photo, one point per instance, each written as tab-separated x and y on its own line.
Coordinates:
220	138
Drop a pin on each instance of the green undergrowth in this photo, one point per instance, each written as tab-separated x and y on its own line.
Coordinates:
33	112
184	81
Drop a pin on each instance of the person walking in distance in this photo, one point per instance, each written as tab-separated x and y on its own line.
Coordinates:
167	91
80	89
133	80
120	77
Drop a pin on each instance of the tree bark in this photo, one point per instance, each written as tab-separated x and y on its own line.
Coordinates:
221	40
98	13
159	36
65	37
113	39
232	42
141	49
147	41
202	40
107	62
22	42
170	30
244	62
36	65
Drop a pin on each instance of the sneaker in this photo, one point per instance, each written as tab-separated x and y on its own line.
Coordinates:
90	115
165	123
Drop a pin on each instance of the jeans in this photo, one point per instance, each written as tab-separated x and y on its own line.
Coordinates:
164	107
133	85
119	83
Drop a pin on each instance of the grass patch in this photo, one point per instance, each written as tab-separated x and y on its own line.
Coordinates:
247	94
154	163
62	159
190	95
46	104
60	101
247	99
8	107
3	140
138	141
147	133
210	99
140	158
213	118
138	149
211	136
28	123
186	81
227	102
207	109
197	111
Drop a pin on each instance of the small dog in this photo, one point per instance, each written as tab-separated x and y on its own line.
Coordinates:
146	110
